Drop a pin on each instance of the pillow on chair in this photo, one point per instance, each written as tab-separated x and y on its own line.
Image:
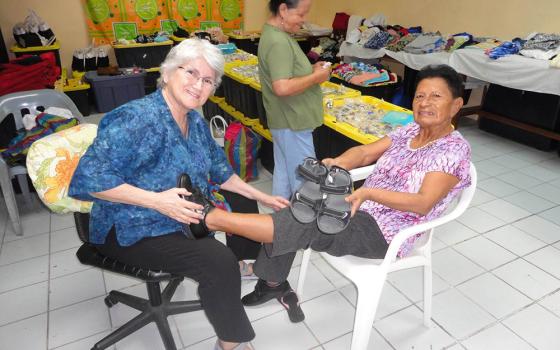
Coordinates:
51	162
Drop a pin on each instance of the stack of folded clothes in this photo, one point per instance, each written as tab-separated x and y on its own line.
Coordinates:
362	74
541	46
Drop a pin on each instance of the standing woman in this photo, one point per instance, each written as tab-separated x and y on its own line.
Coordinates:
291	93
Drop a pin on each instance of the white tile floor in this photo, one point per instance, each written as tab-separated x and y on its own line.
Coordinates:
496	278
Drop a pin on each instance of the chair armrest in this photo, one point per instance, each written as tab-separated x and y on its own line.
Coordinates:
361	173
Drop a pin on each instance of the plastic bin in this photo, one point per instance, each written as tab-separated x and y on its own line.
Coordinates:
353	132
79	94
384	91
248	42
142	55
113	91
150	83
37	50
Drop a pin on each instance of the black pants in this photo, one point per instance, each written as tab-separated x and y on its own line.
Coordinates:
208	262
242	247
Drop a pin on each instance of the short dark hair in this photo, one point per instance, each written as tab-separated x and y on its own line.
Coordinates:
273	5
445	72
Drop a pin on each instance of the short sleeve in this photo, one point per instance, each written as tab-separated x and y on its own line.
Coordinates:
453	158
403	132
280	61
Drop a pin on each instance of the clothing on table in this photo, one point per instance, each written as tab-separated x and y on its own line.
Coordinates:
361	237
290	148
425	43
378	40
542	41
207	261
506	48
402	42
280	57
139	143
402	169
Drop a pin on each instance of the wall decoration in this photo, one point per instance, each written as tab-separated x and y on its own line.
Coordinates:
156	15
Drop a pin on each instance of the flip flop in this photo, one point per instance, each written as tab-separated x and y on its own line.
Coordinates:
335	215
306	202
290	302
312	170
337	181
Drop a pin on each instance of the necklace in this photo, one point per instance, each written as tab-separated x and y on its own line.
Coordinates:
429	143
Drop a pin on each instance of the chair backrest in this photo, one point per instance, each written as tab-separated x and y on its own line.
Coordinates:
16	102
462	202
51	162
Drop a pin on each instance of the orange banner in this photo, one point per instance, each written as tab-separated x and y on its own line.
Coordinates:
111	19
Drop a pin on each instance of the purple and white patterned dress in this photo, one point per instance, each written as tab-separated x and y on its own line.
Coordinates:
402	169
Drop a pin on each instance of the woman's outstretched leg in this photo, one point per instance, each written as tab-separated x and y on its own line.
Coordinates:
258	227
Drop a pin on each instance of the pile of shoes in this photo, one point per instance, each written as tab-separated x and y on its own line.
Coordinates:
33	32
156	37
90	58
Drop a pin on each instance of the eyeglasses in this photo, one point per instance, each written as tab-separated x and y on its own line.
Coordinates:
194	75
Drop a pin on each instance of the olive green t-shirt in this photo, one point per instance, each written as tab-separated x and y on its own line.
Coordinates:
280	57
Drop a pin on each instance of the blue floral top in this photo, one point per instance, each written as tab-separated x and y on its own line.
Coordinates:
139	143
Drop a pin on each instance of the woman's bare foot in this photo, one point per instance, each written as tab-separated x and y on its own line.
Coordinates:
224	345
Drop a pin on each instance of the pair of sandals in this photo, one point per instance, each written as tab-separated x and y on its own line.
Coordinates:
321	197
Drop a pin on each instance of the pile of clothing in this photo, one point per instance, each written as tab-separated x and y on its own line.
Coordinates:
29	72
326	49
156	37
540	46
362	74
33	31
51	120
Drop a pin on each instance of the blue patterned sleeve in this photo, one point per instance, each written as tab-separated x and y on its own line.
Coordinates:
121	144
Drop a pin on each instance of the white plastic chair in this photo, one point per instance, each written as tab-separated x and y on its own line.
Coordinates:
13	104
369	275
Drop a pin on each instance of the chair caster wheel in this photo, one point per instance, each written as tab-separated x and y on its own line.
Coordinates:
109	301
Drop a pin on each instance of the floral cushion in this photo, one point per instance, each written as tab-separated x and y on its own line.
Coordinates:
51	162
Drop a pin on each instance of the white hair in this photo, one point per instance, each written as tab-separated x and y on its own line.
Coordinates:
189	50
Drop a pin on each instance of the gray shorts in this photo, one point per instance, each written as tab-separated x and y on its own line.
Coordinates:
362	237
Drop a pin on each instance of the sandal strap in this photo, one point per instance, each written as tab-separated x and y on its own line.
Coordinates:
315	205
312	170
342	215
337	189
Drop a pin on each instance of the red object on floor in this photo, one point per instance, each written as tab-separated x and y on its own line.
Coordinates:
16	77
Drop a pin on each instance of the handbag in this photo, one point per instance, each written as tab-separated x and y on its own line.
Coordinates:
242	148
218	127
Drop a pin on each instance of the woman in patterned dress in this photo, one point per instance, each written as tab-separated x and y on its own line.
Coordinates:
420	169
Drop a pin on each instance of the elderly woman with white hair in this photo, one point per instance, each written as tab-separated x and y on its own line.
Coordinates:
140	215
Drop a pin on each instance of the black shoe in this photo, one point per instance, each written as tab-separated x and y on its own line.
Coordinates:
263	293
199	230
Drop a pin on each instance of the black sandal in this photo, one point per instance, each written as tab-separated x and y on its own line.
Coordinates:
334	215
306	202
200	230
337	181
312	170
